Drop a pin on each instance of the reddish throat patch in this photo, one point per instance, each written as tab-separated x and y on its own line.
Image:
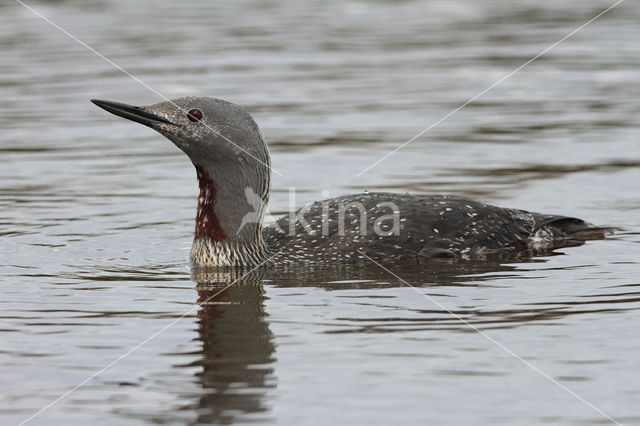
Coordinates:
207	224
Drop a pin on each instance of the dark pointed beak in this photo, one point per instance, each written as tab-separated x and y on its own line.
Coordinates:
131	112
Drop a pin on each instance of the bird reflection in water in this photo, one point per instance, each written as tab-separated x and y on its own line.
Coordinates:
238	351
237	346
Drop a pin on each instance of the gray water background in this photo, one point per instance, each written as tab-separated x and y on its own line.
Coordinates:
96	213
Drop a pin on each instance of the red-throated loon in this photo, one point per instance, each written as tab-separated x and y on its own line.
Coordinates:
233	168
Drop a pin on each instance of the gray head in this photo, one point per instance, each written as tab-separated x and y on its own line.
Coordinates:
231	158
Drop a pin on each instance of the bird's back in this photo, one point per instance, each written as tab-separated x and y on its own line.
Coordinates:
403	227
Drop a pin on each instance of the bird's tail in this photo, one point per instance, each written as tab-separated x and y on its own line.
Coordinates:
575	228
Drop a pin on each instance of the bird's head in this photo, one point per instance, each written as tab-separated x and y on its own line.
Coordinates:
212	132
224	143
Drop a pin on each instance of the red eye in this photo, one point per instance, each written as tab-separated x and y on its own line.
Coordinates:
194	115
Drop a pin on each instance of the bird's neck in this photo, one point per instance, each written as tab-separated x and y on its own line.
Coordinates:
207	222
228	226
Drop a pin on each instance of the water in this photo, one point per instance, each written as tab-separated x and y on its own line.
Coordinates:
96	214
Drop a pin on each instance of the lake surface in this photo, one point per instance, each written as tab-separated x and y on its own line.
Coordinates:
96	214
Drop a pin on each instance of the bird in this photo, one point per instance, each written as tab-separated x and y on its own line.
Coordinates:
233	169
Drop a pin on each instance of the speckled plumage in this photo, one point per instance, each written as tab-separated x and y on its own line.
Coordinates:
430	227
233	170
